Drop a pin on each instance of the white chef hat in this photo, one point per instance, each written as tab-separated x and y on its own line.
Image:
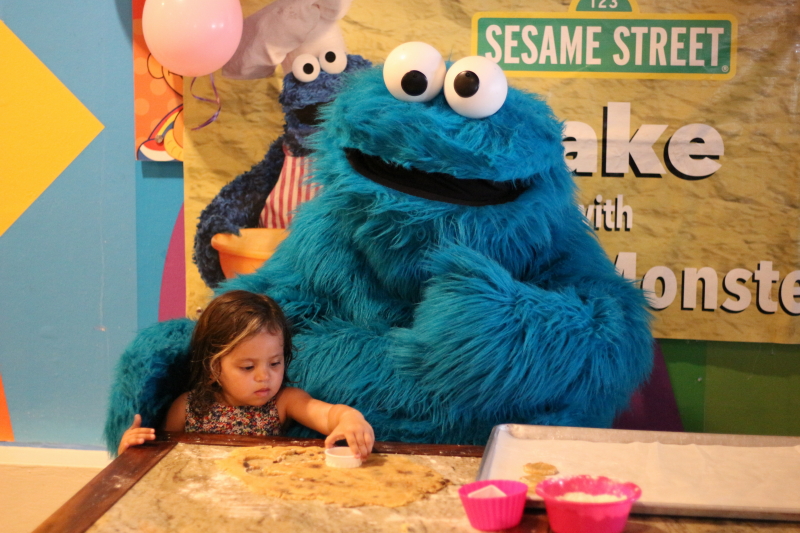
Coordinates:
282	30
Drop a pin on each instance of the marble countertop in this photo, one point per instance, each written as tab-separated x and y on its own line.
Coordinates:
186	491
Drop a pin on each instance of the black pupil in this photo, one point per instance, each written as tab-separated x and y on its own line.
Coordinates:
414	83
330	57
308	68
466	84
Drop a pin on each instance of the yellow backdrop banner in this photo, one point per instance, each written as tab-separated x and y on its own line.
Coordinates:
681	123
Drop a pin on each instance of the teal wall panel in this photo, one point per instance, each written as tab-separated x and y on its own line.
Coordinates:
70	276
159	197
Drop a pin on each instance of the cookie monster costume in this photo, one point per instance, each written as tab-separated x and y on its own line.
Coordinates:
240	202
443	280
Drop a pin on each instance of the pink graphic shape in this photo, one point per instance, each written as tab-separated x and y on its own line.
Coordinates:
172	301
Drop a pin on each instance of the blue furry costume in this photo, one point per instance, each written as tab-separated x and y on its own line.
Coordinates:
239	203
438	319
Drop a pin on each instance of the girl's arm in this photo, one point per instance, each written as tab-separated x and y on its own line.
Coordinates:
336	421
176	416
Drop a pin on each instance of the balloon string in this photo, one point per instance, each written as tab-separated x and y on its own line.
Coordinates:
216	100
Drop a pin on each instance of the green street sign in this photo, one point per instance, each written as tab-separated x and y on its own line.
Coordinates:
612	44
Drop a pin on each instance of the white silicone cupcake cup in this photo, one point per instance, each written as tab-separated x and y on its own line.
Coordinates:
341	457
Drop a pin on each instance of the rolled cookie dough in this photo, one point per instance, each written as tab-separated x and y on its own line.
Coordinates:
300	473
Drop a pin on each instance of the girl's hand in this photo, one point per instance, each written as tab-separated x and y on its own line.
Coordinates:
337	421
352	427
135	435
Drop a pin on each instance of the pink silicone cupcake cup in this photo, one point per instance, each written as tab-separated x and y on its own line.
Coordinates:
493	514
587	517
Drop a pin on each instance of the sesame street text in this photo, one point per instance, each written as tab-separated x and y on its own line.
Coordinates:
619	45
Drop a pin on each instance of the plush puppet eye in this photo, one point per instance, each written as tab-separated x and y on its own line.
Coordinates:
475	87
305	68
414	72
333	61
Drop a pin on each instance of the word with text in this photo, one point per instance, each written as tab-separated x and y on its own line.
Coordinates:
624	45
661	287
691	153
611	215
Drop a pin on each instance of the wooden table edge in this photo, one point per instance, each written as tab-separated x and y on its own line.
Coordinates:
91	502
404	448
105	489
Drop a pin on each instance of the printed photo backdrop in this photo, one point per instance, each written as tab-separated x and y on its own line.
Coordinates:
157	101
681	122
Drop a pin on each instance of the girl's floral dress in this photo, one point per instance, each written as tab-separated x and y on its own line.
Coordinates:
239	420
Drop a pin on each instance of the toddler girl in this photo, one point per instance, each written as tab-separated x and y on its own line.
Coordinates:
240	350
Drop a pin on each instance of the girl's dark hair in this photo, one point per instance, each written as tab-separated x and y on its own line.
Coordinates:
230	319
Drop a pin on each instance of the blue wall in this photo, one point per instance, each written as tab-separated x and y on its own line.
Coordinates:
71	295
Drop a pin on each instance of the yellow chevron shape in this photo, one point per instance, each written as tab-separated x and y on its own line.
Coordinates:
44	127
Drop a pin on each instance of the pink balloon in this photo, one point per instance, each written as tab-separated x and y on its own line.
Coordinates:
192	37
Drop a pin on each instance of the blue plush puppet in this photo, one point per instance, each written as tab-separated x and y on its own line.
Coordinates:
239	203
443	281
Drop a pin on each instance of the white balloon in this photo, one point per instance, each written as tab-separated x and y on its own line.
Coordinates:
192	37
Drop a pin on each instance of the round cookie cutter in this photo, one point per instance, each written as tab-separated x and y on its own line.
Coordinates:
341	457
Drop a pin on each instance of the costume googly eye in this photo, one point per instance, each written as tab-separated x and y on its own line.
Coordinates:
305	68
475	87
333	61
414	72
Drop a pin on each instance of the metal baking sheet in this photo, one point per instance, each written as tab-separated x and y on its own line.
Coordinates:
680	474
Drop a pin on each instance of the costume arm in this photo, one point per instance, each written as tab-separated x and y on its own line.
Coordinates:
309	270
237	205
566	348
152	371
